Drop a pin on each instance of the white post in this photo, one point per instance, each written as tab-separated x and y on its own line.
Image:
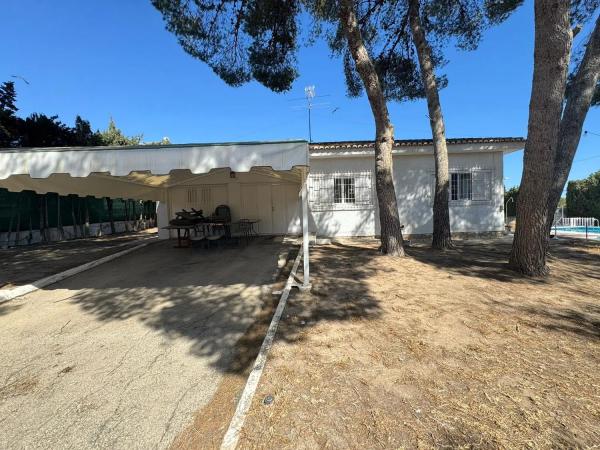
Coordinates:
305	256
162	219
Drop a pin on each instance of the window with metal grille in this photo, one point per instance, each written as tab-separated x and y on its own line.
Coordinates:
340	191
344	190
461	186
469	185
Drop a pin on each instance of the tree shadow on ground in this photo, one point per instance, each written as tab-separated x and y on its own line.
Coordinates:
219	300
8	307
339	293
488	259
482	259
573	264
27	264
583	320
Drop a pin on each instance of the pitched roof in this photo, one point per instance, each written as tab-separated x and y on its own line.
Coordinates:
412	143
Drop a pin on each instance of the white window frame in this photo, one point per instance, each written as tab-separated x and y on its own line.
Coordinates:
461	184
481	186
344	190
322	190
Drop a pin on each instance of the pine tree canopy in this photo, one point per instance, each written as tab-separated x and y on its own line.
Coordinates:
259	40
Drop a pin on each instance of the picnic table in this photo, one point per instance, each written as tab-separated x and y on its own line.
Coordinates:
246	227
186	234
207	229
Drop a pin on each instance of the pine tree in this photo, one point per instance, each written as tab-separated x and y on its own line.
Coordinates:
8	118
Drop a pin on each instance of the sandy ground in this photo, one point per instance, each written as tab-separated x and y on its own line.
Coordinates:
26	264
124	355
436	350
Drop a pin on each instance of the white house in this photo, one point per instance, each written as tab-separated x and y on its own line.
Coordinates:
342	192
264	181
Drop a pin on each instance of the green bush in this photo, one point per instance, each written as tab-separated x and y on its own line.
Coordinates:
583	197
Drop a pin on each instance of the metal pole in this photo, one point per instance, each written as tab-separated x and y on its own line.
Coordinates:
305	257
309	124
506	210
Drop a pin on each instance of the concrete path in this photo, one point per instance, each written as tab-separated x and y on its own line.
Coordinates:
121	356
23	265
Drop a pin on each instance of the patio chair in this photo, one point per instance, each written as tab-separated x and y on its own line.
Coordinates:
197	238
223	213
245	230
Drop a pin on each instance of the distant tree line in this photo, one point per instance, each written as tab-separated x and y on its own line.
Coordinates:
28	211
40	130
511	205
583	197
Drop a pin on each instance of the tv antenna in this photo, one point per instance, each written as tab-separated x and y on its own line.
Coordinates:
309	92
309	96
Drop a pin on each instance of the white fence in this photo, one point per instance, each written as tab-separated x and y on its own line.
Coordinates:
577	222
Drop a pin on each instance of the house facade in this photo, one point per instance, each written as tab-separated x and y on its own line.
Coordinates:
267	181
343	200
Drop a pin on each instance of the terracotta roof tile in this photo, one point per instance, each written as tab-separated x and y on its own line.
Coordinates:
411	143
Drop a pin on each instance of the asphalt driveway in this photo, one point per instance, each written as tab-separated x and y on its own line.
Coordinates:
121	356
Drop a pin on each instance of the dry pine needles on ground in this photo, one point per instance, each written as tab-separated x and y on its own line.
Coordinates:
437	350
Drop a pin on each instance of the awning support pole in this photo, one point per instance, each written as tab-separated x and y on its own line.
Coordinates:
305	237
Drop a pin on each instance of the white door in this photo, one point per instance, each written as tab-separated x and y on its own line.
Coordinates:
286	202
275	205
265	209
292	200
256	205
279	203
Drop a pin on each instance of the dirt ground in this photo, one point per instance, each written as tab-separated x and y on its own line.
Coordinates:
435	350
26	264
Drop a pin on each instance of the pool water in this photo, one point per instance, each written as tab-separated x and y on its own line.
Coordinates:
590	230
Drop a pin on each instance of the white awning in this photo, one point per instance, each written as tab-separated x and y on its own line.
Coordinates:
140	172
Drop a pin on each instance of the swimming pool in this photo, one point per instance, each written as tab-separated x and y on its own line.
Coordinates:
590	230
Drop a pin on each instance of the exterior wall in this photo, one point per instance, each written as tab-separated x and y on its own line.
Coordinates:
341	221
414	181
272	198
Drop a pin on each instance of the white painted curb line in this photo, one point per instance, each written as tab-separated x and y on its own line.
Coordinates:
232	436
9	294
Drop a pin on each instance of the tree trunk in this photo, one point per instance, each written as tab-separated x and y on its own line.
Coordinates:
578	104
391	231
441	214
109	207
552	51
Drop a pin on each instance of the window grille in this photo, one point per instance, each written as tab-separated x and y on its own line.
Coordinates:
199	197
469	185
461	186
344	190
340	191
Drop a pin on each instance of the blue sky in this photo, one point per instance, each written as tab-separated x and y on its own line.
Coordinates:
114	58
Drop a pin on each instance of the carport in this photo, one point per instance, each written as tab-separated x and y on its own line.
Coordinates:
266	180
